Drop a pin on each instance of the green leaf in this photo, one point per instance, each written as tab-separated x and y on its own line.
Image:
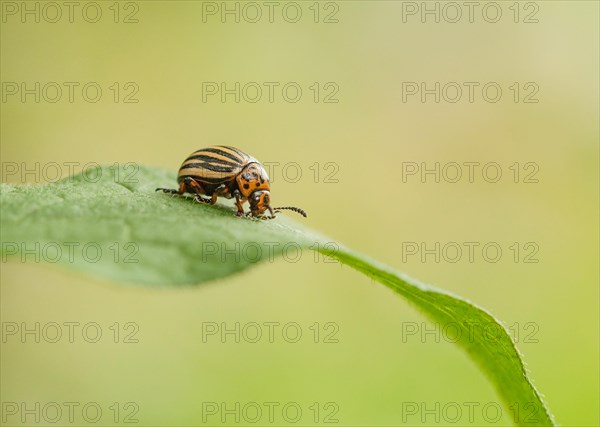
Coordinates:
110	222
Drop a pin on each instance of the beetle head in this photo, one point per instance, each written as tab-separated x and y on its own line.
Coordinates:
260	202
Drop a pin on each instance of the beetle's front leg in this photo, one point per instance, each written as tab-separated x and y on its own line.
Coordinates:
261	217
238	203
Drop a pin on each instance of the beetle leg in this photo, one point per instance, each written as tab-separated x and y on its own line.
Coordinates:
189	185
181	190
168	190
240	208
266	218
238	202
220	191
198	198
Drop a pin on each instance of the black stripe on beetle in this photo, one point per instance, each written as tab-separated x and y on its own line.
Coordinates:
210	159
209	166
235	155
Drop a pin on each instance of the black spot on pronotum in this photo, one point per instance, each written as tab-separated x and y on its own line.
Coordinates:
246	186
258	184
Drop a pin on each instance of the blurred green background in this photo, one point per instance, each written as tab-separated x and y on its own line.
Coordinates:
374	369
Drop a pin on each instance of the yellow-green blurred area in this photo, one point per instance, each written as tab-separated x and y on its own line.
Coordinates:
383	366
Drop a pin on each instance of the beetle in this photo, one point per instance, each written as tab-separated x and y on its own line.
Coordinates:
223	171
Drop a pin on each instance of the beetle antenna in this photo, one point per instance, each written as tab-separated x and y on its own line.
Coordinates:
291	208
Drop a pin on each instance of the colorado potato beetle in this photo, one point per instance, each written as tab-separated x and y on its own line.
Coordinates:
222	171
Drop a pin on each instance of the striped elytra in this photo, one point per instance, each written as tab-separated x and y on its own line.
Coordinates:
223	171
214	165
